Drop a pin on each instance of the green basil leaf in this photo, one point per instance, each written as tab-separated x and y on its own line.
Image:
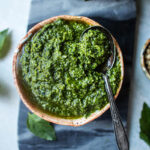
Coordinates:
3	36
40	127
145	124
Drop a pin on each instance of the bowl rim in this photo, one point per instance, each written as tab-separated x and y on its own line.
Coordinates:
143	59
55	119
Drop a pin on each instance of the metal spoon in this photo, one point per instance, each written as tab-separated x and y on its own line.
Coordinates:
121	137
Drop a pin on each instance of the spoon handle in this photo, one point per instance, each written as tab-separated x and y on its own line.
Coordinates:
121	137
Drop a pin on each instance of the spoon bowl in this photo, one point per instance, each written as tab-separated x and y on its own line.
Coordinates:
108	64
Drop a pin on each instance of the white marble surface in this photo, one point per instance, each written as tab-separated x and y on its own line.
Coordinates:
13	14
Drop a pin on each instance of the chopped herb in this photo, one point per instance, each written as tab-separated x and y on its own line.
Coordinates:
59	69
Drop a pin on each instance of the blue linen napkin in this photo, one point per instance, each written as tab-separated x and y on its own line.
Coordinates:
119	17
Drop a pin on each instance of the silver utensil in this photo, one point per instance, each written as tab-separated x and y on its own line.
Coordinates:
121	136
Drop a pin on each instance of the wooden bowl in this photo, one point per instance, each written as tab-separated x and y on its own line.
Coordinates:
24	95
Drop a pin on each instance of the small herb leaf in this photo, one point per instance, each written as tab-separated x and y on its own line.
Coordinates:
3	36
145	124
40	127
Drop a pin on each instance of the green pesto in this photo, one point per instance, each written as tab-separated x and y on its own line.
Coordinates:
60	69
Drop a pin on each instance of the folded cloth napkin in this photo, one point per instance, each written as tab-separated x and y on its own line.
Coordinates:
119	17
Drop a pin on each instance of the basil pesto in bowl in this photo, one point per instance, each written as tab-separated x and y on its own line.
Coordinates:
57	72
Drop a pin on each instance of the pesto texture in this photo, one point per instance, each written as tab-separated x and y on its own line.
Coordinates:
59	68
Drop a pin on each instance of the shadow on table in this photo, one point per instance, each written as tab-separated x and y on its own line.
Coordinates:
4	89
